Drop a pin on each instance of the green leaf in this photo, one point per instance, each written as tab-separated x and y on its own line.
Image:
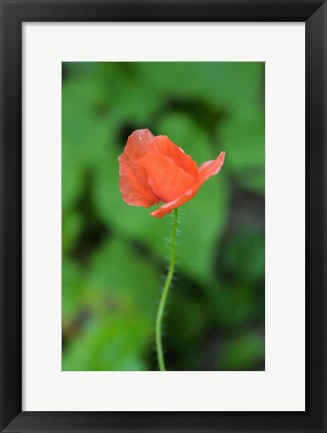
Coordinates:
74	69
120	292
245	252
84	136
239	297
235	304
72	288
72	224
243	352
235	86
244	141
124	277
116	342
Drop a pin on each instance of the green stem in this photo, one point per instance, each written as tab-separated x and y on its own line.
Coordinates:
164	295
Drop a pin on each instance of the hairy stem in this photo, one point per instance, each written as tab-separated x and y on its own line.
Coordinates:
161	360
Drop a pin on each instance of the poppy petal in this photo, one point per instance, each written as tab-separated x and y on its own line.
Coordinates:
166	147
210	168
166	179
137	143
134	192
136	170
168	207
133	178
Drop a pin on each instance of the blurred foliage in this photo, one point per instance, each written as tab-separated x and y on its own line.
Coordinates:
115	255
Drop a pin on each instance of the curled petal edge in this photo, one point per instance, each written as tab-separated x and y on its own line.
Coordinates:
210	168
168	207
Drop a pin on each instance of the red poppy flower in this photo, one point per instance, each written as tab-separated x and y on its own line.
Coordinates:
153	170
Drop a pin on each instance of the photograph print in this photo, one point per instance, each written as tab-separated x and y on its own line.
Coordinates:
163	216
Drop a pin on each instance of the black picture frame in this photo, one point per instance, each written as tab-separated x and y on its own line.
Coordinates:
13	14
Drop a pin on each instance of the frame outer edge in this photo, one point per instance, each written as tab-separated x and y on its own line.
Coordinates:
11	219
316	203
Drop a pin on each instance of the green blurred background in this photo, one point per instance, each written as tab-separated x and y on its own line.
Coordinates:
114	256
